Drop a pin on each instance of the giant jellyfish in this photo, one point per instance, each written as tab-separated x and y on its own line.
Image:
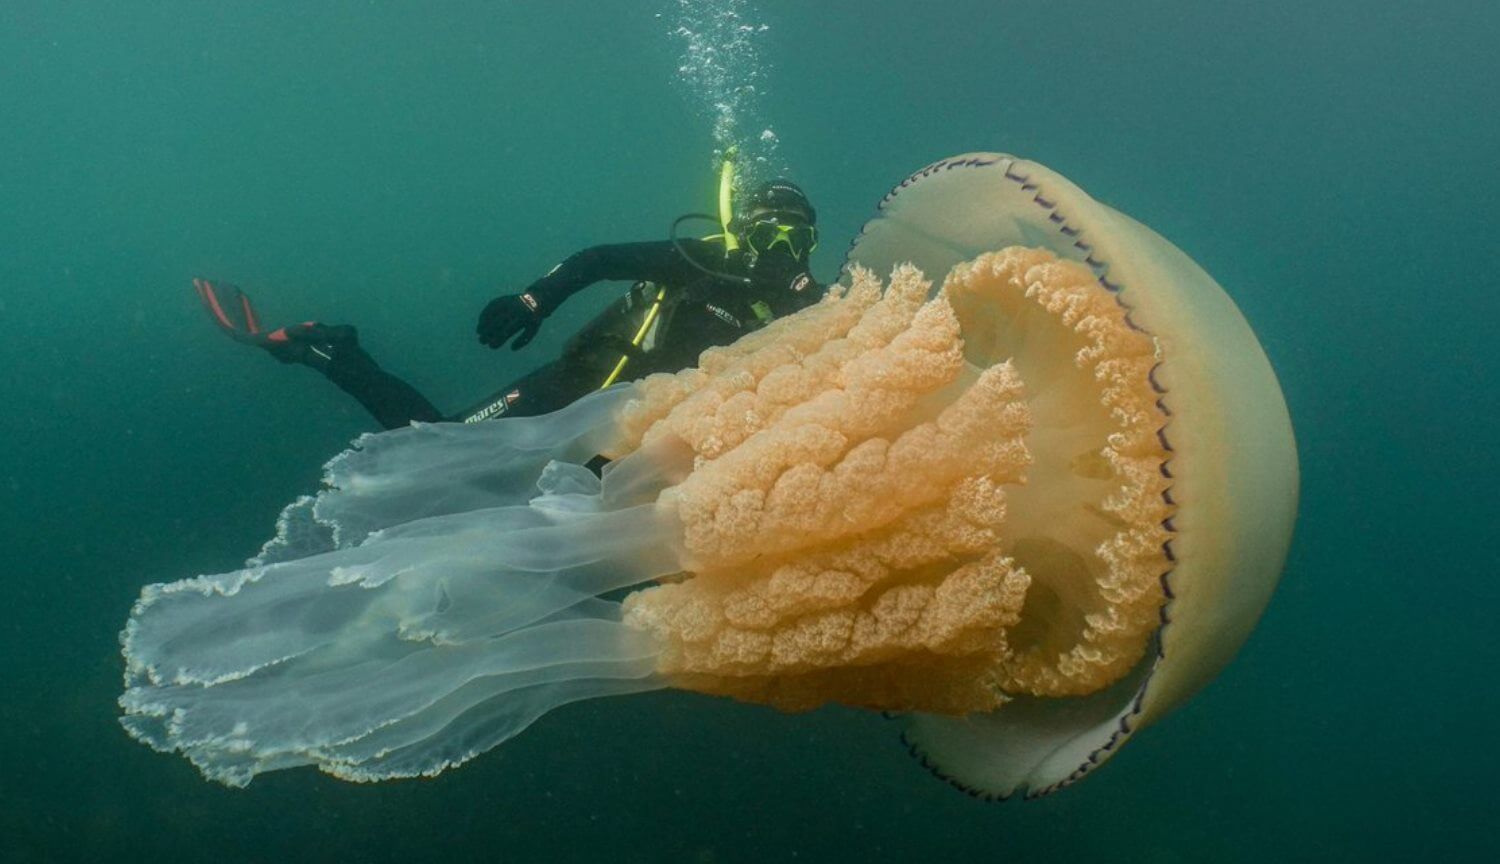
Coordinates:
1028	510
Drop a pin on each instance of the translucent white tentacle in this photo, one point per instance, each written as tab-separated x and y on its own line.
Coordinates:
437	598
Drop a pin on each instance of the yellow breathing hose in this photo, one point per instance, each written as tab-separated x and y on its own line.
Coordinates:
639	336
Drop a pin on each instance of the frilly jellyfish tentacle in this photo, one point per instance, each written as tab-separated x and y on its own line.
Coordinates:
438	626
429	469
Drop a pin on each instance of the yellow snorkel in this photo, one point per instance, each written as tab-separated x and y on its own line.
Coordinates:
725	218
726	200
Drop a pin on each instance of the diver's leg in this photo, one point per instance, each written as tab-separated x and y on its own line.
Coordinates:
391	401
333	350
539	391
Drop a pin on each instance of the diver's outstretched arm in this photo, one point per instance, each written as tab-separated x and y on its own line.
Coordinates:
521	315
331	349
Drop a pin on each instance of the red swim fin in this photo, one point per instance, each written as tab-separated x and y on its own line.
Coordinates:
231	310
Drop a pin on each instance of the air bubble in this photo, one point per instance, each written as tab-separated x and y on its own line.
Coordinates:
720	70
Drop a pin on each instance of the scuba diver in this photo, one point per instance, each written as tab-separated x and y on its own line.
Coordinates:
687	295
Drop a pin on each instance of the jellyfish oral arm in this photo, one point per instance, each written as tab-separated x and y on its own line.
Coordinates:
403	646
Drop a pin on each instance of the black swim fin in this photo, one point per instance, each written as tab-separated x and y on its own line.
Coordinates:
309	343
231	310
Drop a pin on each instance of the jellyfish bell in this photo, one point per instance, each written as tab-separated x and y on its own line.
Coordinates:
1031	510
1230	466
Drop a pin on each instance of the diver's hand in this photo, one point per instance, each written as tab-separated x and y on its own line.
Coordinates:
507	316
310	343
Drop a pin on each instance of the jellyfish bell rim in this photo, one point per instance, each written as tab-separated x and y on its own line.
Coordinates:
1233	456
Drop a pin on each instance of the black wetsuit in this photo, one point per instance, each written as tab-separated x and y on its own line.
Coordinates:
693	311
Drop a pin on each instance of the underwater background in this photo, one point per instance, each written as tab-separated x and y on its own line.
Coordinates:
1334	164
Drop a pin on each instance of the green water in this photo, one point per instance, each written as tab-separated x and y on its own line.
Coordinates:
395	165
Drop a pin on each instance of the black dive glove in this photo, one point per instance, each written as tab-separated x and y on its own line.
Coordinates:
507	316
311	344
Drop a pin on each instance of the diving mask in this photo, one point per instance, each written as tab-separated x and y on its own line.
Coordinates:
767	232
